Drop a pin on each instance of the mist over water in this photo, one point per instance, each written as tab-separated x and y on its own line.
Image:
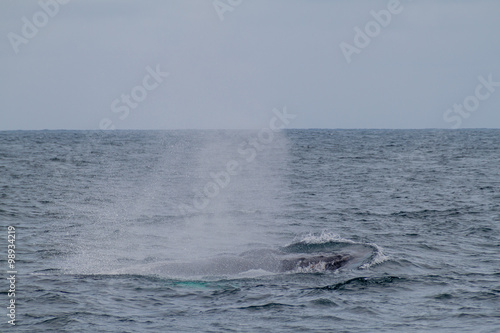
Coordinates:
149	221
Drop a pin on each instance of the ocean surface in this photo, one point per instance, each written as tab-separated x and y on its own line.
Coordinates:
188	231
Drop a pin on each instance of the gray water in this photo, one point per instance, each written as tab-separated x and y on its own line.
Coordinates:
146	231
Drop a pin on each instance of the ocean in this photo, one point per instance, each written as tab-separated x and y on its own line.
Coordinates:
250	231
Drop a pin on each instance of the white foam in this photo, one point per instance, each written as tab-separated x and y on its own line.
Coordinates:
326	237
379	257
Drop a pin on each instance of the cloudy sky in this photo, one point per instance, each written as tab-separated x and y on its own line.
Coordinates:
91	64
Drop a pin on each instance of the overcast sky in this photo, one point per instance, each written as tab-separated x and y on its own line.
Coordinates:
87	64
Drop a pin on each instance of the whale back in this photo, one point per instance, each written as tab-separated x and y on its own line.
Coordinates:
315	263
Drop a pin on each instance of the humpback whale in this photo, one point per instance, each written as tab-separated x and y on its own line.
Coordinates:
298	257
264	260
